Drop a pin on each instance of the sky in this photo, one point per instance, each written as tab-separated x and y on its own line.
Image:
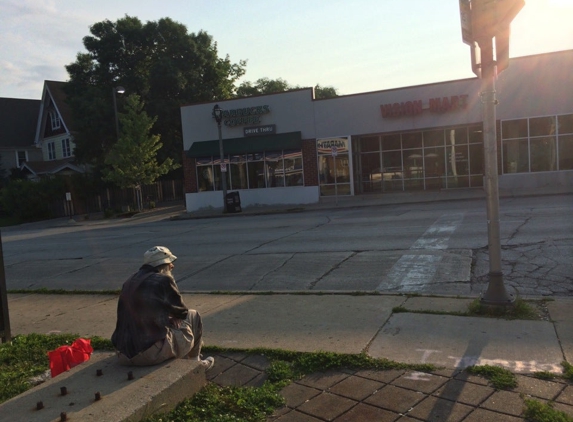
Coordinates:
354	46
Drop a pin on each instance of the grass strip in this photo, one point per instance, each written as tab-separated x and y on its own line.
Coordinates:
521	309
27	356
500	378
536	411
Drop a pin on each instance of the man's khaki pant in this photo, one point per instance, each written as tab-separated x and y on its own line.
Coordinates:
183	343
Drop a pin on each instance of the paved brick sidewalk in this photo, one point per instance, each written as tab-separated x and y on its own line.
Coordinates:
393	395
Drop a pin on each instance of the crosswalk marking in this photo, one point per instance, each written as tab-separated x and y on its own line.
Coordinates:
413	271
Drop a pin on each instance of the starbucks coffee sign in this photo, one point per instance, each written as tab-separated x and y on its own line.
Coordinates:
245	116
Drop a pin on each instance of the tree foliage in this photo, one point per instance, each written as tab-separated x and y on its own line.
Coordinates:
132	160
272	86
263	86
159	61
322	92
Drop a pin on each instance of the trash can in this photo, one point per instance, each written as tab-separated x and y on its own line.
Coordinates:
233	202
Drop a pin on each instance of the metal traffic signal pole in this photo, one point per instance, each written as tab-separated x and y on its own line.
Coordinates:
5	332
482	21
496	294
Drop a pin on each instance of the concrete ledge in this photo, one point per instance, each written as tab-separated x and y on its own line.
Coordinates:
153	389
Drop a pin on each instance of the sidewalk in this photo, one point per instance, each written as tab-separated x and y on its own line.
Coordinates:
355	324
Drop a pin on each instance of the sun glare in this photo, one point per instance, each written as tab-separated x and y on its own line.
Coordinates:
541	26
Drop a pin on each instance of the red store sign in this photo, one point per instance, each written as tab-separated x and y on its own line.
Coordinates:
435	105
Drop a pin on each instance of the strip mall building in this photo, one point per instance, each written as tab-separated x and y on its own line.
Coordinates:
290	148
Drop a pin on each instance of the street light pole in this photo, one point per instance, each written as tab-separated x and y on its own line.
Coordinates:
218	115
115	91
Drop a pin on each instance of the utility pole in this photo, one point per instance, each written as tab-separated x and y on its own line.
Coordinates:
5	332
482	22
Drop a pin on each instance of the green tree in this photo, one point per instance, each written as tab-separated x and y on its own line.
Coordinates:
322	92
263	86
132	160
272	86
159	61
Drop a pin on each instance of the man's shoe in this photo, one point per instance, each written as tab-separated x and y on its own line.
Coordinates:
207	362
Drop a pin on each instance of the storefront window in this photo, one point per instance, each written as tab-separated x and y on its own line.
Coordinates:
391	142
274	170
457	136
475	134
536	144
450	158
412	140
293	168
252	171
540	126
392	173
566	152
434	138
515	156
371	172
457	160
565	124
476	161
434	162
256	170
543	154
217	172
511	129
205	176
370	143
413	169
238	172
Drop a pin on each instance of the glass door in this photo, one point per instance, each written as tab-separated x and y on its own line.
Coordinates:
334	166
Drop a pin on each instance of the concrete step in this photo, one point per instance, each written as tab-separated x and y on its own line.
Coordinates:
152	389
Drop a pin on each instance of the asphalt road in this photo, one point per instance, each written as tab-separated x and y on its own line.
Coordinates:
430	248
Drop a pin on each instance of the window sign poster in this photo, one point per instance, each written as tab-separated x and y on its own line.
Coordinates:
325	146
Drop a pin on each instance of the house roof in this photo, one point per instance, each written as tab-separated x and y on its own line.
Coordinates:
18	118
53	95
39	168
56	90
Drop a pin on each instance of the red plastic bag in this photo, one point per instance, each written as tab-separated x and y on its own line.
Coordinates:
66	357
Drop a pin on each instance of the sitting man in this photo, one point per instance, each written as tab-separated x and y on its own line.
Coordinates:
153	323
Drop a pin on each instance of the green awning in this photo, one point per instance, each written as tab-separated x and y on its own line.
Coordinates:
247	144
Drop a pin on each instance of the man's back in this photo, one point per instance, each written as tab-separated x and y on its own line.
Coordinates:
147	301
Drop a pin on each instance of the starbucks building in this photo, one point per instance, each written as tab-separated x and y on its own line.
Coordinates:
290	148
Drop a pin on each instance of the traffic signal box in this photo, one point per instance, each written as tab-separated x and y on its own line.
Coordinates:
483	20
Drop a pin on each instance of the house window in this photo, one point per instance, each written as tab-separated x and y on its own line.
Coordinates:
66	150
21	157
51	151
55	120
